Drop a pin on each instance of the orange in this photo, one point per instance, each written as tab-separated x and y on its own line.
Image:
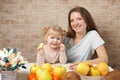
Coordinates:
103	68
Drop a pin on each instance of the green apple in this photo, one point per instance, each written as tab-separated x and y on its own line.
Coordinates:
82	68
94	71
59	71
34	68
46	66
38	71
44	75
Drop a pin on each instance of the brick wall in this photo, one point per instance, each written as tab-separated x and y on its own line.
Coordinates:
21	21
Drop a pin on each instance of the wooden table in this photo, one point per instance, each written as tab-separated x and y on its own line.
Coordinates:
23	73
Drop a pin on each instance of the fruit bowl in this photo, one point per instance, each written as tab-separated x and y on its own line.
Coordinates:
91	74
91	77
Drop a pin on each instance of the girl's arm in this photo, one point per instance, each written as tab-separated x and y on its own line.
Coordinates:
62	57
40	58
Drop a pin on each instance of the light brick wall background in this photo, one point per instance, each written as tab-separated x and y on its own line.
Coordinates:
21	21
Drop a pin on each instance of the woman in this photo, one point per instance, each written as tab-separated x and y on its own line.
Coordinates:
83	39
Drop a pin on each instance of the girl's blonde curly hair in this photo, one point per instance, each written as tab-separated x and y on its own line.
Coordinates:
54	30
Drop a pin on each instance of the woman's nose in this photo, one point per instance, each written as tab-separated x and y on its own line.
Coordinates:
75	23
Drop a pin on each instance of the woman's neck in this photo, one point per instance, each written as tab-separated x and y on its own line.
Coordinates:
78	37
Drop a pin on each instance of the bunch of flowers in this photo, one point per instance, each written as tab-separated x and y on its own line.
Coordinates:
11	59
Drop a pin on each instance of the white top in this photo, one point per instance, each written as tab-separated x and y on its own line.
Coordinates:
48	57
85	48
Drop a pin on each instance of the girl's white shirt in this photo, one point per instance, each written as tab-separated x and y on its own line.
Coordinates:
48	56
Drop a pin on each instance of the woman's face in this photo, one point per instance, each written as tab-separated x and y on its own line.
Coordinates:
78	24
54	41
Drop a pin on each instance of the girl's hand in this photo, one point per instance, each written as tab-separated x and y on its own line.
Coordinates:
62	47
41	46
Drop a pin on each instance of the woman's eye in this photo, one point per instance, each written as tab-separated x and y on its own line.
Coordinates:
79	18
71	20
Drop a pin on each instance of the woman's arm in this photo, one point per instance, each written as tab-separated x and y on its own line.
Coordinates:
102	55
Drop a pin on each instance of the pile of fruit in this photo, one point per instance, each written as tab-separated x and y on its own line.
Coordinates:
46	72
88	69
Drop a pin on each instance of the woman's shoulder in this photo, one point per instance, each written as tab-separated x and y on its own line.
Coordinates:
93	32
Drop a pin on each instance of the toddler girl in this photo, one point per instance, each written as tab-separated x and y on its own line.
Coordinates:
53	50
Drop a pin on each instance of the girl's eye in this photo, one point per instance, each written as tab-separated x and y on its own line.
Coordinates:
52	37
58	38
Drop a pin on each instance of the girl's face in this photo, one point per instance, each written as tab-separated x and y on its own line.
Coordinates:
78	24
54	41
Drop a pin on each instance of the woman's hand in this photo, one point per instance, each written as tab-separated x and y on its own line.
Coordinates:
73	65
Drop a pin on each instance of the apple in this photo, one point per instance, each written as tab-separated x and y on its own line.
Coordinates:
44	75
46	66
94	72
59	71
82	68
41	45
34	68
38	71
